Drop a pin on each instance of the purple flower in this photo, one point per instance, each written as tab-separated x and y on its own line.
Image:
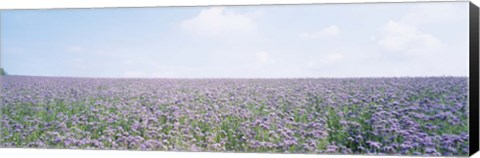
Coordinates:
374	144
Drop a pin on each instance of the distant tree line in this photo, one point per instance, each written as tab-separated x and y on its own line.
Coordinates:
2	72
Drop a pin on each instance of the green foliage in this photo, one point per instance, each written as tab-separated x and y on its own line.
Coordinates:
2	72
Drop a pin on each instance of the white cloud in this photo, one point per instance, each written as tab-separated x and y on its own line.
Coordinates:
405	38
418	44
263	58
330	31
218	21
405	35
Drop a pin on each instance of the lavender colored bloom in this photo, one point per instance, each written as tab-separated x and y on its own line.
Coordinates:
362	115
332	149
374	144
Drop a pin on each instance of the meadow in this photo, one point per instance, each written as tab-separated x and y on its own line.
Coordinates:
381	116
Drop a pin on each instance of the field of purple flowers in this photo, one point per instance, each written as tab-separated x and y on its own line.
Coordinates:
395	116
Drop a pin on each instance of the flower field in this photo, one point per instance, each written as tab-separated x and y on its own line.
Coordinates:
389	116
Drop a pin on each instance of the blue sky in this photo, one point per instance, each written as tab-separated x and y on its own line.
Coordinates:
329	40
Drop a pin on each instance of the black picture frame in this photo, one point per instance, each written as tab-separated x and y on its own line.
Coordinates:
474	75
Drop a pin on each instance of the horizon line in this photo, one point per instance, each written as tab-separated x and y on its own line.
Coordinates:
351	77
